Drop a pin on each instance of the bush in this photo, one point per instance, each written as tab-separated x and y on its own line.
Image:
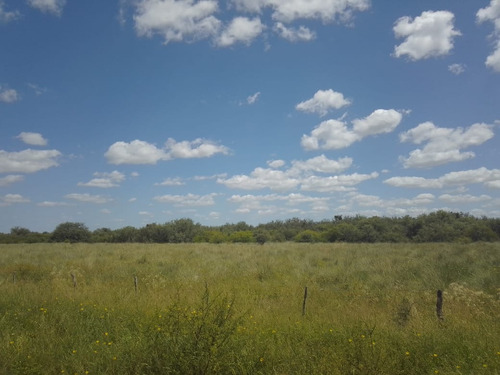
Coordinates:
71	232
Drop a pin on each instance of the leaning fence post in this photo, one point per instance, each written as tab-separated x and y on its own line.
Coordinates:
136	282
439	305
304	303
73	277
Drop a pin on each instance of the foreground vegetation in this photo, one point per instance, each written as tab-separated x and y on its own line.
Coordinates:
439	226
238	309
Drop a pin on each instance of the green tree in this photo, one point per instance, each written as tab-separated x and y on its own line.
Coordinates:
71	232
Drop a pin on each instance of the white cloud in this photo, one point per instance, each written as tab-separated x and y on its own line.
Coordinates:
141	152
457	69
334	134
135	152
335	183
177	20
253	98
493	184
240	30
51	204
34	139
492	13
261	178
302	34
105	180
9	199
171	182
8	95
322	102
188	200
443	145
291	10
10	179
28	161
320	164
464	198
48	6
199	148
276	163
428	35
88	198
473	176
7	16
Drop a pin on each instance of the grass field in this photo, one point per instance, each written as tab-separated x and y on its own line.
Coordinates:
238	309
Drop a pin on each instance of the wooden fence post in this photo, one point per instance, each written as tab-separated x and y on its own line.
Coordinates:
304	303
439	305
136	282
14	277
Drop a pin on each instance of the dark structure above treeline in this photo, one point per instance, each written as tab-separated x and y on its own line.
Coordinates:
440	226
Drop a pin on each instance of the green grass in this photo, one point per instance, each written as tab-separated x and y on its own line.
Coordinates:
237	309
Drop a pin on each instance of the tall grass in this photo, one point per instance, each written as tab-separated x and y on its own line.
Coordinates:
237	309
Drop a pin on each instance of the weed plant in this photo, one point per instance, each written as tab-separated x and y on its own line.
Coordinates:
237	309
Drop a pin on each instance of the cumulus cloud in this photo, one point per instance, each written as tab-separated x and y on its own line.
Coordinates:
28	161
443	145
54	7
177	20
429	35
141	152
276	163
8	95
9	199
34	139
88	198
199	148
7	16
334	134
322	102
301	175
291	10
320	164
171	182
10	179
461	178
491	13
464	198
240	30
188	200
300	34
105	180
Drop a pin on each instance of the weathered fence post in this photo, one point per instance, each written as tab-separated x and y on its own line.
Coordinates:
439	305
304	303
136	282
73	277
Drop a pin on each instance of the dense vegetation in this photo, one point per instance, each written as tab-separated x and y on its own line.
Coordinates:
201	309
440	226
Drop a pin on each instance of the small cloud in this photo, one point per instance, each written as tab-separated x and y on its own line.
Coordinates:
9	199
457	69
253	98
7	16
322	102
8	95
10	179
34	139
429	35
54	7
276	163
51	204
240	30
302	34
88	198
28	161
171	182
105	180
188	200
37	89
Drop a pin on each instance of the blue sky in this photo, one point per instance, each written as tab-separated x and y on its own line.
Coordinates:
128	112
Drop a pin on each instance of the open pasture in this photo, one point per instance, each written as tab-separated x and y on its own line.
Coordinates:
240	309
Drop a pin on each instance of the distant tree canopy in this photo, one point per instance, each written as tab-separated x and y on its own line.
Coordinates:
439	226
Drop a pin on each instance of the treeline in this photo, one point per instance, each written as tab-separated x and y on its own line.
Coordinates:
440	226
